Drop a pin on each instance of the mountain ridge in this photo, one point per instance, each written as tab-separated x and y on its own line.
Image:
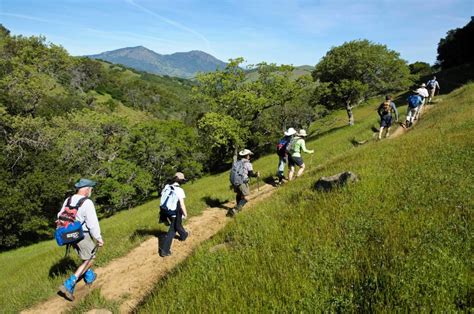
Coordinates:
179	64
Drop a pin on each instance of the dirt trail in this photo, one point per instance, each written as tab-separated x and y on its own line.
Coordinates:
129	279
401	130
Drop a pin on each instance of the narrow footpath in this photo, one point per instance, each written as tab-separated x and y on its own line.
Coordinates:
127	280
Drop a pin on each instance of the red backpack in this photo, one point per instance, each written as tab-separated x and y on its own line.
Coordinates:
68	229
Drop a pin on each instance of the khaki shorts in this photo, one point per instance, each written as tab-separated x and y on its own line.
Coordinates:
85	247
243	189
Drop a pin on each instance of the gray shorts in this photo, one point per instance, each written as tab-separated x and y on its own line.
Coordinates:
85	247
242	189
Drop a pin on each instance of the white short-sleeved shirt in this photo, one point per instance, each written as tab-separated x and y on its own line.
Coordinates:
173	199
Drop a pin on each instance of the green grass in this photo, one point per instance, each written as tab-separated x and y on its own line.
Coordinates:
398	240
322	228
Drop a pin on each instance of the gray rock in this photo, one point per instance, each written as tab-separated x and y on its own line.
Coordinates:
337	180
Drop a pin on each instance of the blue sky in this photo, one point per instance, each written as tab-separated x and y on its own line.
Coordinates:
284	32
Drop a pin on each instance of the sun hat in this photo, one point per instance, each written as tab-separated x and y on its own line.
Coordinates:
290	132
302	132
245	152
82	183
423	85
179	176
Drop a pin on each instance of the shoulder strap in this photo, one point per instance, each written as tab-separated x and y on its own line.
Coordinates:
79	203
68	203
165	204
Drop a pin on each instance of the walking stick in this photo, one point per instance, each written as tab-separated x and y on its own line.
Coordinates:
258	183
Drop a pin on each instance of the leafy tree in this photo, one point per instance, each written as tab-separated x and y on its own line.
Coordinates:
245	104
457	47
221	135
420	69
164	147
357	70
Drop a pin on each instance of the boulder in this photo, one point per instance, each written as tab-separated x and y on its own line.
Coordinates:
337	180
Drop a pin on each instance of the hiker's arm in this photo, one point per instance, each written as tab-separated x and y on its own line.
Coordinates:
253	174
92	222
303	148
183	207
395	109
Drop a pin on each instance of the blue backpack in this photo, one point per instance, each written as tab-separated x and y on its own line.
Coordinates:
68	229
414	101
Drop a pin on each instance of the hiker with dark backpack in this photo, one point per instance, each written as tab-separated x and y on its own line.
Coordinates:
79	208
172	206
385	111
414	102
296	146
283	153
432	86
240	174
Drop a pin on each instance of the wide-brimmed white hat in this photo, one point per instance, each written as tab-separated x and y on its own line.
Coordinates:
290	132
302	132
245	152
423	85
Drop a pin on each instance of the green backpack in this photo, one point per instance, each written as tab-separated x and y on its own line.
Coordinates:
291	148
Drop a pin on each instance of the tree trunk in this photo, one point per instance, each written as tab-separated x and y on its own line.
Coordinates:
349	114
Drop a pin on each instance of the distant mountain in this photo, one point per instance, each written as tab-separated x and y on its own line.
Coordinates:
179	64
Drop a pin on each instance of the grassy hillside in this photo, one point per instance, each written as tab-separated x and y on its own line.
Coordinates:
43	262
304	249
400	239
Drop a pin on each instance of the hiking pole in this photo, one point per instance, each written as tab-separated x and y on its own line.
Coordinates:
258	183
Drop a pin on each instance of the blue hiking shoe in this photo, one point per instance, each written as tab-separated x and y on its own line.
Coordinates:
89	276
67	288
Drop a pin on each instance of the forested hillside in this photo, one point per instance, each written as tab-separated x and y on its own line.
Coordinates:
62	118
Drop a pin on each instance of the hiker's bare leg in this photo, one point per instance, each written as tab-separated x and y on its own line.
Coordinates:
300	171
291	172
380	132
388	132
83	268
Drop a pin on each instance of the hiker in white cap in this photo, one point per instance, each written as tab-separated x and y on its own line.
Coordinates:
423	92
172	205
240	174
296	146
283	154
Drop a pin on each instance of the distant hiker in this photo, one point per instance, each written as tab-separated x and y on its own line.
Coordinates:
423	92
385	111
240	174
432	85
172	204
414	102
295	147
85	248
283	153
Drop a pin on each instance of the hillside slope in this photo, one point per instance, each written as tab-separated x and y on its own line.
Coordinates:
305	250
400	239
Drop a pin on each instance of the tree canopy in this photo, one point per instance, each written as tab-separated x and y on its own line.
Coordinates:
457	47
356	70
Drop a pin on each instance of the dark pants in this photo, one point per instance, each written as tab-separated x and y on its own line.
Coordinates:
175	226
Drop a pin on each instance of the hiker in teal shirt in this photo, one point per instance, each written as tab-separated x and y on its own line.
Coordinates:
295	147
